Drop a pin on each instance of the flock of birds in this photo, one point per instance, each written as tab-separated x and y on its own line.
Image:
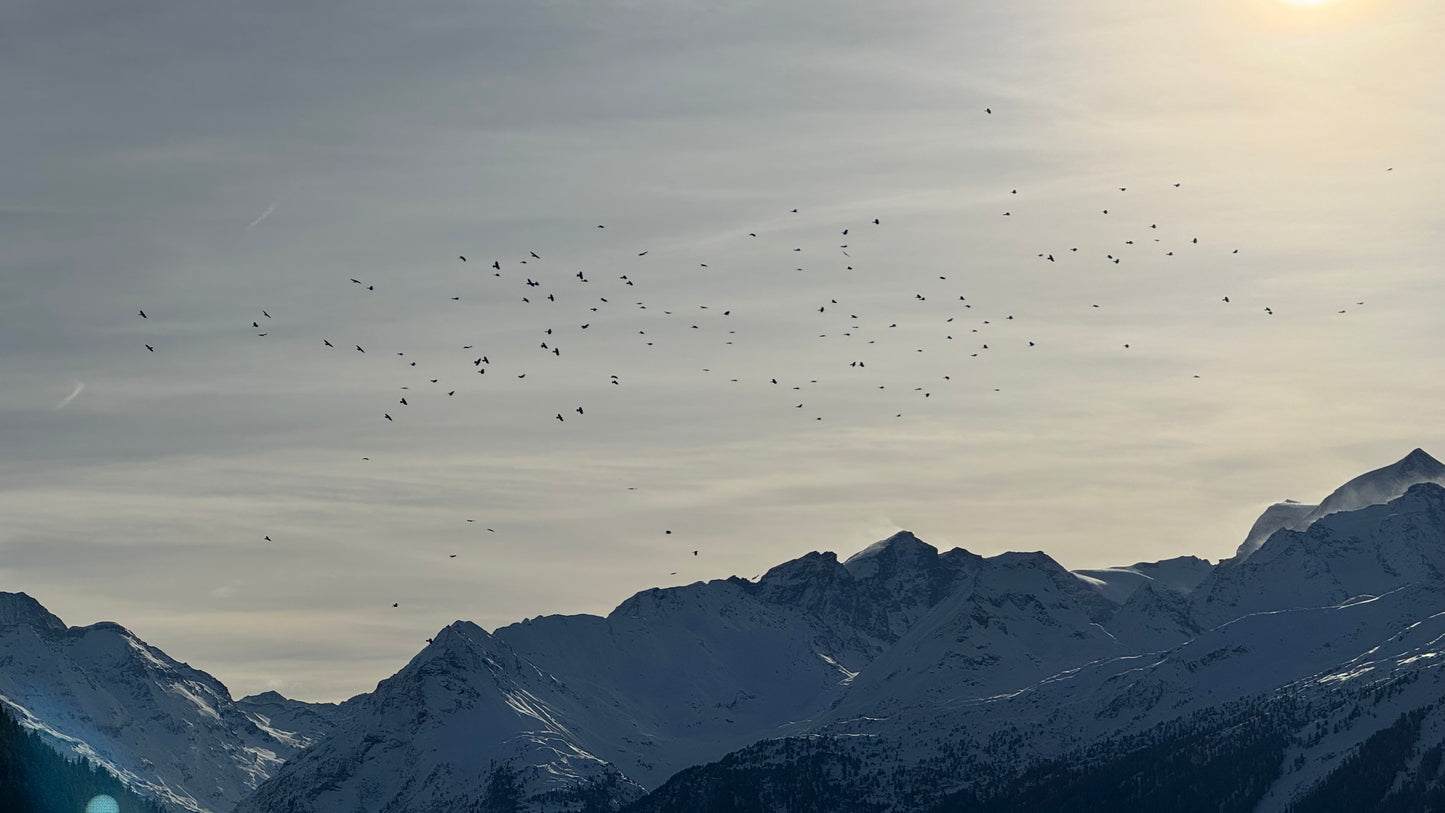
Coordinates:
567	308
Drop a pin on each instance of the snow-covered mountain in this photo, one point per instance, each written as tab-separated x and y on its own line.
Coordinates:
1287	514
1371	488
1280	700
902	678
168	730
901	667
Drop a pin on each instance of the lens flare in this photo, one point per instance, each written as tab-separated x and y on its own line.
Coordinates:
102	804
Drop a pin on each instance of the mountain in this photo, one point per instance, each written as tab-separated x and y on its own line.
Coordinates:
1371	488
1379	486
1363	553
898	679
167	730
1179	575
36	779
670	678
1260	711
583	706
1287	514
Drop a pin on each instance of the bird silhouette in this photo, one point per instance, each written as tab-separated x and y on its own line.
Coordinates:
143	315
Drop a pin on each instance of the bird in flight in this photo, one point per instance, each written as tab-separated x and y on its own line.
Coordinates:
152	349
143	315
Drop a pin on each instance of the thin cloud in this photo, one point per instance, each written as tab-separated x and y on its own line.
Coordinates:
79	388
269	209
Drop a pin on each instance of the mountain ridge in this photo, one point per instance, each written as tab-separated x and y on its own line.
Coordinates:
904	673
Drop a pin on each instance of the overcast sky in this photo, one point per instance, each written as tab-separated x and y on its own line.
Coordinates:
206	162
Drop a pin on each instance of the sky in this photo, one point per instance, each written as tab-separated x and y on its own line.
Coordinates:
1030	349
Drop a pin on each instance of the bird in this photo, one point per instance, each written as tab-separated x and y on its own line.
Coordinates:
328	344
579	411
497	264
265	314
152	349
387	416
559	417
358	348
460	257
534	255
403	402
268	539
988	110
394	604
143	315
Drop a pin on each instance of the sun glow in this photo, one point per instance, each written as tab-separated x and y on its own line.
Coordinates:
1308	2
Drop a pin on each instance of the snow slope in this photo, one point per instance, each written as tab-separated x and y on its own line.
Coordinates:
170	731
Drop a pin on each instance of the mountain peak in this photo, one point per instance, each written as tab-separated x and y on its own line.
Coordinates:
1420	461
1287	514
902	546
1379	486
269	696
19	608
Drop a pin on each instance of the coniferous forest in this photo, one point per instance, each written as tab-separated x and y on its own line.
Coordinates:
36	779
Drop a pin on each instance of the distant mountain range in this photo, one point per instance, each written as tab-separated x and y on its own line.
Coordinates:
1300	671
